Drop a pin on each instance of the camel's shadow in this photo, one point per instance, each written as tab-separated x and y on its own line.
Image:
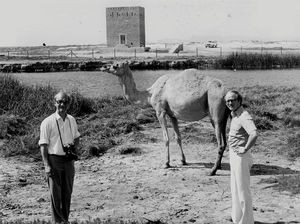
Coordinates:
256	169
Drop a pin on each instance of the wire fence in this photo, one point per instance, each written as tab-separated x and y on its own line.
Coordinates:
81	53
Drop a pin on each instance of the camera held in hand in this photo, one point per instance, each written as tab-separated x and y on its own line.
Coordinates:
70	152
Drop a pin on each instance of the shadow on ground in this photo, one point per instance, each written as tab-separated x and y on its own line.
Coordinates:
256	169
281	222
261	169
279	178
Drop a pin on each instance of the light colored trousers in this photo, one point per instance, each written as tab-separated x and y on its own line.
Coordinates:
242	210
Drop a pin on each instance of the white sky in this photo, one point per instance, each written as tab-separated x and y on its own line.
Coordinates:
62	22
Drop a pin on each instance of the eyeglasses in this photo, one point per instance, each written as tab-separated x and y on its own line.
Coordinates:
230	101
61	101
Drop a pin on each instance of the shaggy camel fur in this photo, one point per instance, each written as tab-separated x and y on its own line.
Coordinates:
187	96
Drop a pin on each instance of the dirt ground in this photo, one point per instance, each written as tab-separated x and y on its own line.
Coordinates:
135	186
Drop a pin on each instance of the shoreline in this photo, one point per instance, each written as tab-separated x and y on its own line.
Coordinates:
231	62
83	64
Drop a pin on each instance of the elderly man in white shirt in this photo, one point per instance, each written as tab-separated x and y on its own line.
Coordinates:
242	136
58	137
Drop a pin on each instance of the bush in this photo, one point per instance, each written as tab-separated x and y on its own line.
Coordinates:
272	107
36	101
24	107
243	61
293	144
24	101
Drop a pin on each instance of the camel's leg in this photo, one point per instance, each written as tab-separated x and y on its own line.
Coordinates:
219	114
163	123
223	135
221	141
178	138
213	124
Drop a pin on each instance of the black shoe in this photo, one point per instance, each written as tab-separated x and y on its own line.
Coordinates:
229	219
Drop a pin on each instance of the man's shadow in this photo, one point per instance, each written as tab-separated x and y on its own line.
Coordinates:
256	169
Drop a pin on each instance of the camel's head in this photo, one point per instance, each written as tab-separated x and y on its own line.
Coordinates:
119	69
122	71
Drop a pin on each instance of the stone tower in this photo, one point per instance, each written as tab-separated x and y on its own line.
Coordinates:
125	26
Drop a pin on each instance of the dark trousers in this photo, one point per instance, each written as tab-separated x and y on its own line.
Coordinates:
60	183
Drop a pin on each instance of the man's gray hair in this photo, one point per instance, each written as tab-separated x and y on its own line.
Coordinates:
63	94
239	96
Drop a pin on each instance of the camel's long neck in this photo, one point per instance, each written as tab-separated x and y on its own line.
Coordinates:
130	91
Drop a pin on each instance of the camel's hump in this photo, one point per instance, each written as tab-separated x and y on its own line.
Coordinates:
158	84
189	80
192	80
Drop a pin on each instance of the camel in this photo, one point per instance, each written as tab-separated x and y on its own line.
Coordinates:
187	96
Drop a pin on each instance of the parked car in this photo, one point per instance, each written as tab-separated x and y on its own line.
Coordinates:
211	44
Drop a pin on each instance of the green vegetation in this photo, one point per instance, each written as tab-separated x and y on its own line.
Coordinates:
100	121
272	107
244	61
36	101
276	112
103	122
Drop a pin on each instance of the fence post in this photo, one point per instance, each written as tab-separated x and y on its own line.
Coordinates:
114	53
197	52
281	50
134	53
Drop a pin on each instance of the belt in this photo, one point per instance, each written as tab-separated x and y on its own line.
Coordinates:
59	156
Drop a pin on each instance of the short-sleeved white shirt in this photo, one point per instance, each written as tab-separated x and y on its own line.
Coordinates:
49	134
241	126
